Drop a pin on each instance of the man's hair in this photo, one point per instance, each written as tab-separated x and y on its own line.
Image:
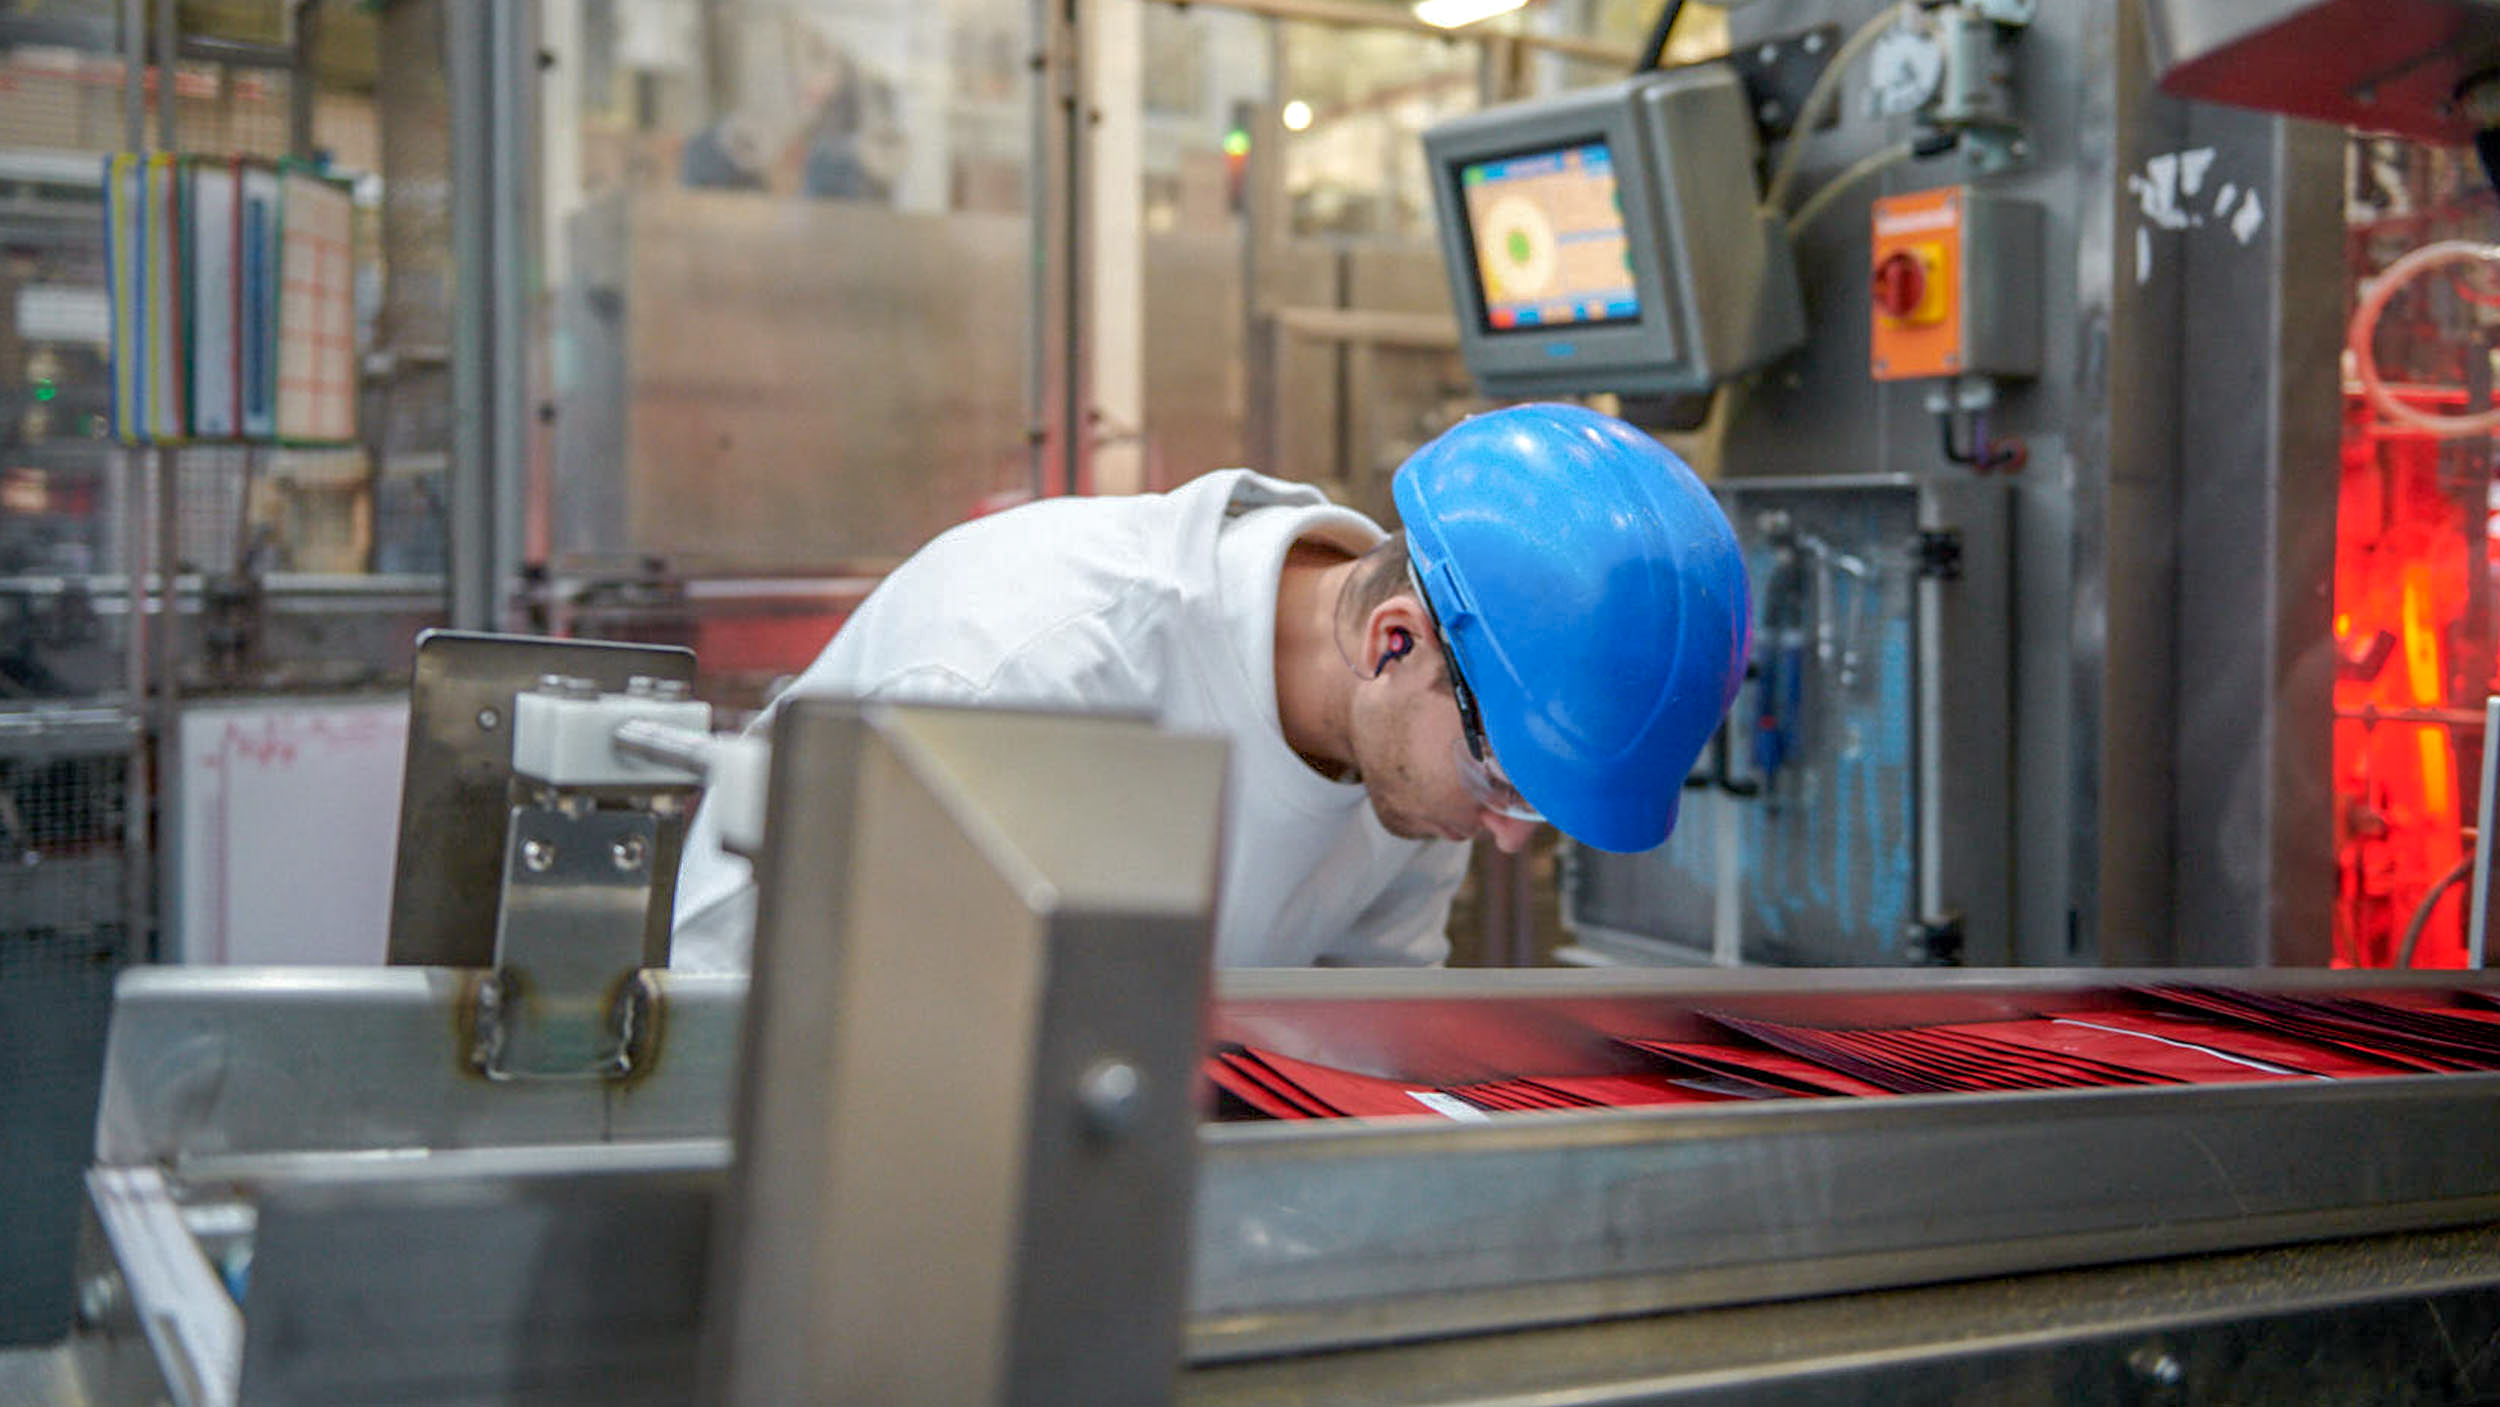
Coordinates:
1380	574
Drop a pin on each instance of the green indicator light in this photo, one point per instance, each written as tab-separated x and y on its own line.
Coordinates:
1236	143
45	390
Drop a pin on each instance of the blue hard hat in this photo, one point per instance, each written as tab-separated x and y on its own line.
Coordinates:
1595	599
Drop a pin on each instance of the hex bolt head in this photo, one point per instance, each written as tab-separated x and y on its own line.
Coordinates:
1112	1095
2157	1366
538	855
99	1298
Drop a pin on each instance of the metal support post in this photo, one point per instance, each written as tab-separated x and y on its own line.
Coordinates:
2478	912
486	48
136	840
1265	221
167	711
299	90
965	1135
1112	38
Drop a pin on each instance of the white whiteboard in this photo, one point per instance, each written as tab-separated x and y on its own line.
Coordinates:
289	827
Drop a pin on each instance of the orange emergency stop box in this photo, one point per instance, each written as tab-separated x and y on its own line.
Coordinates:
1953	278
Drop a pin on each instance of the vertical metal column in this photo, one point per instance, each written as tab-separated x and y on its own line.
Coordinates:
299	92
1111	38
1050	196
136	841
486	47
167	713
1262	266
965	1134
2478	909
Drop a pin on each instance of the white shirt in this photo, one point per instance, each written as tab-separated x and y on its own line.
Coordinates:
1163	604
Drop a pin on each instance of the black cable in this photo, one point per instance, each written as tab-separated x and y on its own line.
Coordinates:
1953	453
2422	911
1654	52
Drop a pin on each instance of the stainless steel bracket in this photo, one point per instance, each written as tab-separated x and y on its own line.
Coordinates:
459	786
568	995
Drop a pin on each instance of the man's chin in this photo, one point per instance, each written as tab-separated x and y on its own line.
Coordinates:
1408	828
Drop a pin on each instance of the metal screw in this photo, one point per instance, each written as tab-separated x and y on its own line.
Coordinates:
99	1297
538	855
627	852
1768	53
1814	42
2157	1366
488	720
1112	1093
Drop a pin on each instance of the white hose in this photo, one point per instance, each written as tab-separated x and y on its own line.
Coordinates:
1839	185
2375	297
1825	92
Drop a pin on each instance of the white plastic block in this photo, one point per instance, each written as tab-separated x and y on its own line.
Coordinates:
740	769
566	742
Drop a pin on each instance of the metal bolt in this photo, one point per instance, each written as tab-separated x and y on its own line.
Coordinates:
2157	1366
1814	42
1768	53
1112	1094
538	855
488	720
99	1298
628	852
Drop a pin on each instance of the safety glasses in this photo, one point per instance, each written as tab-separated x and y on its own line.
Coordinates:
1474	756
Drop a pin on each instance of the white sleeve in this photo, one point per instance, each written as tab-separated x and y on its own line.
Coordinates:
1408	925
713	918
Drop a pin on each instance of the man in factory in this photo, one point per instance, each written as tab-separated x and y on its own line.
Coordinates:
1552	637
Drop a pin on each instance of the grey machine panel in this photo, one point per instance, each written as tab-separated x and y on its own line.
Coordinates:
1854	810
1710	270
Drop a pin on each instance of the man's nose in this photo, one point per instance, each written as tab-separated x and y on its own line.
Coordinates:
1508	832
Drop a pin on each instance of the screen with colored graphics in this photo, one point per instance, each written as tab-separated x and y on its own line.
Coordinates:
1550	244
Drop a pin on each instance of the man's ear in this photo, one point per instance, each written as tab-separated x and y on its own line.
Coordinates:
1390	632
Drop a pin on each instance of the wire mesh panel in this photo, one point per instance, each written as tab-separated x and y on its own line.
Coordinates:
62	789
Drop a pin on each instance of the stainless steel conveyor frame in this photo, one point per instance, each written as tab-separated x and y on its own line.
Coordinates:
1380	1237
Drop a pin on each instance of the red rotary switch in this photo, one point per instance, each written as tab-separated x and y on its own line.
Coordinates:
1901	285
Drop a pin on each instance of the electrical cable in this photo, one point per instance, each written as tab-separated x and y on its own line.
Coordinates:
2422	911
1654	52
1839	185
1825	92
2360	338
